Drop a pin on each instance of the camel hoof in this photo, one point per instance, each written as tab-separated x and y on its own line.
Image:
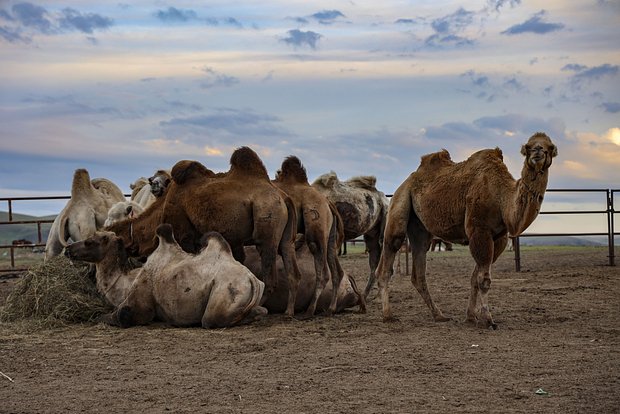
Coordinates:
493	326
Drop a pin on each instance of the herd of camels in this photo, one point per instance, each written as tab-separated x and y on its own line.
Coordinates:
196	247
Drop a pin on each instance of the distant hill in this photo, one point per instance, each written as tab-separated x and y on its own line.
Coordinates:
10	232
563	241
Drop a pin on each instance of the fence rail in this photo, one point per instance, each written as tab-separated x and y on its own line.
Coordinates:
609	211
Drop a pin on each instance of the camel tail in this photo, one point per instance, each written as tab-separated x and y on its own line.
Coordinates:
339	225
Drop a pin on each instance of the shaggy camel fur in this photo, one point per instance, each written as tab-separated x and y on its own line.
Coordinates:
84	213
475	202
114	274
123	210
348	295
242	205
210	289
318	221
363	209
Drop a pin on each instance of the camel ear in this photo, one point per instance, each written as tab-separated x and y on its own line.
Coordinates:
129	210
524	150
554	150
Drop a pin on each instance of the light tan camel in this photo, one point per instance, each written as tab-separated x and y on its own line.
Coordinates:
84	213
318	222
146	190
122	211
242	205
475	202
114	274
210	288
362	208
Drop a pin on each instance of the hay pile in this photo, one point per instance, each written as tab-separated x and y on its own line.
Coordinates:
55	293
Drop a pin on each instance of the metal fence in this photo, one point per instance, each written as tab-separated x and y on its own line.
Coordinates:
609	211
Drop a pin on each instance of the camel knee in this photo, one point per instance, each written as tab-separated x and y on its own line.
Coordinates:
125	317
485	285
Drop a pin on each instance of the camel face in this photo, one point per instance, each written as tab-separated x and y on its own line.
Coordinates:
539	151
92	249
159	182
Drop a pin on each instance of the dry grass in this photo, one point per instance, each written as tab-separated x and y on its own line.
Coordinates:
53	294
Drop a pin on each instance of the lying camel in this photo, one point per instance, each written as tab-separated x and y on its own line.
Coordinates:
84	213
363	209
210	288
242	205
114	274
318	221
348	295
475	202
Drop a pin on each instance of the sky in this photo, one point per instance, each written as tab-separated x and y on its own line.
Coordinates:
360	87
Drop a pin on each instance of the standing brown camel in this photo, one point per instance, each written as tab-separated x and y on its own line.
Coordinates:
243	206
363	209
475	202
318	222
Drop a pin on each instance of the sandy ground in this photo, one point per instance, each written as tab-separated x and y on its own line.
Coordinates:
559	331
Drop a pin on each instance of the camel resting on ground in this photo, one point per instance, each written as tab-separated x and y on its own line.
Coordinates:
121	211
476	202
321	225
114	274
84	213
348	294
362	208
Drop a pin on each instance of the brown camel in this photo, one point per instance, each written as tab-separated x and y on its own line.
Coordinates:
475	202
362	208
318	222
242	205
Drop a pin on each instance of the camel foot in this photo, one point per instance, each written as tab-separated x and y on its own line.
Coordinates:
304	316
485	324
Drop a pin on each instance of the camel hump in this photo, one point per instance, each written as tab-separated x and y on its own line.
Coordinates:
214	238
245	160
327	180
367	182
436	159
164	232
292	168
81	183
186	170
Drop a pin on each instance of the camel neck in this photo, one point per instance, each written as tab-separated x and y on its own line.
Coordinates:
525	206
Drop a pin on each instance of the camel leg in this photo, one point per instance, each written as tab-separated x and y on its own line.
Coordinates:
481	247
420	240
289	260
319	253
395	234
374	253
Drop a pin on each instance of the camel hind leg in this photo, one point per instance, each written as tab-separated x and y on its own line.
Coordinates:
318	248
372	239
395	233
482	248
420	240
232	306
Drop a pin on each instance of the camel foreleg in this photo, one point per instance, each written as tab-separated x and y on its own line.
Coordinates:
481	246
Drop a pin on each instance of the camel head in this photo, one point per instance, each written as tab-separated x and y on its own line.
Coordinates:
96	248
159	182
539	152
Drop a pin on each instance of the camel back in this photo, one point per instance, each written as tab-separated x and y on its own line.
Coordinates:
367	182
245	161
292	168
327	180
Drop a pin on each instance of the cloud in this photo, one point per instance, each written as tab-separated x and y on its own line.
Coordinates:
611	107
448	28
476	79
86	23
174	15
327	16
26	19
514	84
573	67
405	21
534	24
598	72
217	79
227	122
300	38
498	4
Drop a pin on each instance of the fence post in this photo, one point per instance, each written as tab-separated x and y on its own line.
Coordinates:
610	226
517	248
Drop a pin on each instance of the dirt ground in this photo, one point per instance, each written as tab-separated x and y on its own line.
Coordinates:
559	331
